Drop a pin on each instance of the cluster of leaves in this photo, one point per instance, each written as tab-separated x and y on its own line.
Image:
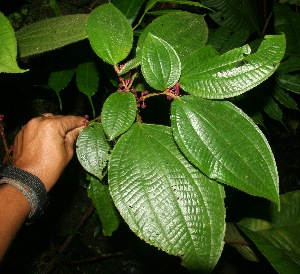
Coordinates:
167	182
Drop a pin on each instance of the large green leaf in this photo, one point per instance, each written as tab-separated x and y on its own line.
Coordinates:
92	149
161	66
225	144
50	34
118	113
107	212
8	47
290	82
287	22
110	33
277	234
171	29
234	72
129	8
164	199
87	79
235	14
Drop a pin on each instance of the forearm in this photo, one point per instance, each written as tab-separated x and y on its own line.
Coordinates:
14	210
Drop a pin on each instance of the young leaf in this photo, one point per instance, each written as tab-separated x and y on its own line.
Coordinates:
110	33
87	79
225	144
52	33
232	73
92	149
118	113
8	47
104	205
277	234
171	29
129	8
161	66
59	80
164	199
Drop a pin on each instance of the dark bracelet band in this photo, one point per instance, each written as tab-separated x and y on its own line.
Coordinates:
30	185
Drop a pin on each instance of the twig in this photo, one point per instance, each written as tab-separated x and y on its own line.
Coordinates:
57	259
93	259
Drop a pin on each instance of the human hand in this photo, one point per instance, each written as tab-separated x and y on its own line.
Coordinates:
45	145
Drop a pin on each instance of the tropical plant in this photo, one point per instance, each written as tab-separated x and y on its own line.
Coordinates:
168	180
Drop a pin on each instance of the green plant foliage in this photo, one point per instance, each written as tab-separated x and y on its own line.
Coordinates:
291	64
93	150
111	38
129	8
284	98
289	82
225	144
234	72
118	113
236	15
50	34
87	79
161	66
277	234
164	199
8	47
101	198
170	28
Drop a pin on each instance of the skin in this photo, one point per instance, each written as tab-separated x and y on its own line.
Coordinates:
43	147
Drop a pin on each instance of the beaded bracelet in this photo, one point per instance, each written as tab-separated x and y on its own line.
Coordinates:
30	185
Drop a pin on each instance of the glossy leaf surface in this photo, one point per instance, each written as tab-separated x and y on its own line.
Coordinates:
92	149
225	144
52	33
8	47
277	234
161	66
232	73
118	113
110	33
129	8
164	199
106	210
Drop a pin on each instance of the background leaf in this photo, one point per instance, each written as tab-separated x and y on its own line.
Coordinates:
235	14
92	149
232	73
8	47
277	234
164	199
106	210
290	82
161	66
129	8
225	144
50	34
111	38
87	79
118	113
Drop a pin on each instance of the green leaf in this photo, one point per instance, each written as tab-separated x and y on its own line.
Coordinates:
118	113
59	80
164	199
236	15
272	109
232	73
284	98
287	22
129	8
8	47
110	33
171	29
291	64
290	82
277	234
131	64
104	205
52	33
161	66
225	144
87	79
93	149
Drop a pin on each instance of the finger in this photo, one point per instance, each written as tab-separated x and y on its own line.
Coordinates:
70	139
70	123
47	115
